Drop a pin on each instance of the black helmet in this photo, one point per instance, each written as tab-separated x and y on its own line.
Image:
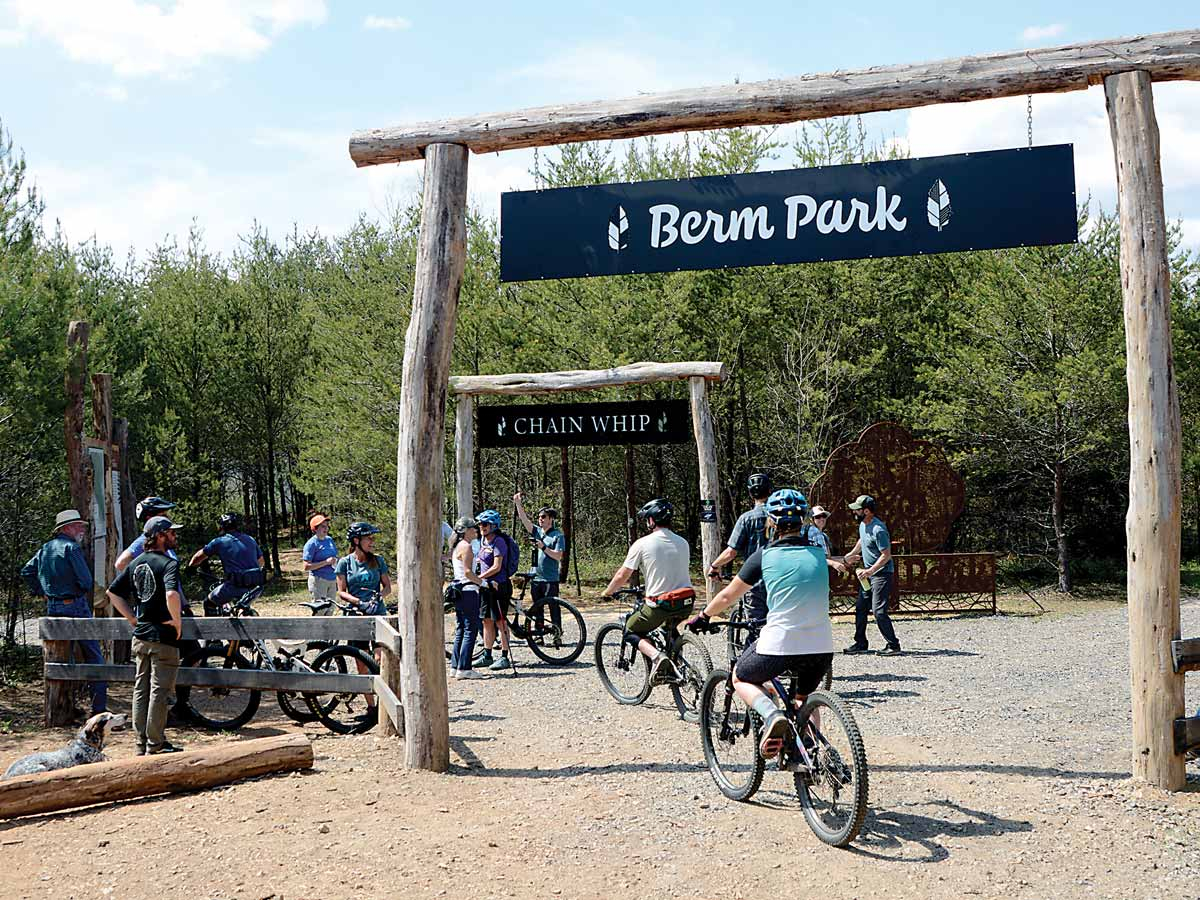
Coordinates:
360	530
230	521
152	506
659	510
759	485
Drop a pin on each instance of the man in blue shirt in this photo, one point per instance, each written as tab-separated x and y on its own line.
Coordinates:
241	561
552	545
60	573
874	550
748	535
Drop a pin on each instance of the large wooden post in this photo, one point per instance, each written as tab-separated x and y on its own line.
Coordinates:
464	455
102	426
1152	526
441	256
79	472
706	450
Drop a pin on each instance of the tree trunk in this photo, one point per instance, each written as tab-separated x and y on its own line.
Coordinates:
79	470
706	450
631	507
1152	526
272	518
1060	529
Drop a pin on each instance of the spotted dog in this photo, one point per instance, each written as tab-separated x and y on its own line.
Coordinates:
86	747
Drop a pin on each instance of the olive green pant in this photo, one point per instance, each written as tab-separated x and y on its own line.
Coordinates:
157	666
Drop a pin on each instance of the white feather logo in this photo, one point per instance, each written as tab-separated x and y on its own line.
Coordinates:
938	206
501	426
618	224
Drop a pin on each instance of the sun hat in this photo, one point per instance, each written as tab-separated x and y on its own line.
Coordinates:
67	517
818	511
316	521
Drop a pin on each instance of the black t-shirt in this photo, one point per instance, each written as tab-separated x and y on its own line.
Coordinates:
146	581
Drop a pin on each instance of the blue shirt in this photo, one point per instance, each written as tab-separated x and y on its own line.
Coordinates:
820	538
874	539
750	534
317	549
361	580
547	569
238	552
58	571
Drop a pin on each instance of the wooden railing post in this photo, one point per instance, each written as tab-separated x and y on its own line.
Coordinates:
1152	526
706	450
389	671
59	704
441	256
79	471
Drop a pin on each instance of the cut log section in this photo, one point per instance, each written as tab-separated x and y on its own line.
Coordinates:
144	776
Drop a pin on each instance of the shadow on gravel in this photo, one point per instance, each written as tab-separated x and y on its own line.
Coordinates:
879	676
868	697
476	717
942	652
1024	771
475	766
891	834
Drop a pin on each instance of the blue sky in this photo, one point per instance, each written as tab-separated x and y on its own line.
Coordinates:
138	118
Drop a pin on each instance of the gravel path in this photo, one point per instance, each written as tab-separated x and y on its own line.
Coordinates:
999	760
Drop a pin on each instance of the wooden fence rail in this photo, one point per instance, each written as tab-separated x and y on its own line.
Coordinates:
57	634
1185	657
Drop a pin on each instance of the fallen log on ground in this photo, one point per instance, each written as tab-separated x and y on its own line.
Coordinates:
143	776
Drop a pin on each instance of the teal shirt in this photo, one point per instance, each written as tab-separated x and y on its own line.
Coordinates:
547	569
874	539
58	571
361	579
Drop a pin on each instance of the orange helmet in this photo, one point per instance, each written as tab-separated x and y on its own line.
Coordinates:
316	520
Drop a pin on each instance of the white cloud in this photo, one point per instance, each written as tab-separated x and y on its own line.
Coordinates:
386	23
1042	32
10	38
134	37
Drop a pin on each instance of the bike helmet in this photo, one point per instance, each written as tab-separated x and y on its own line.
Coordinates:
759	485
489	517
360	530
229	521
787	507
463	523
152	506
659	510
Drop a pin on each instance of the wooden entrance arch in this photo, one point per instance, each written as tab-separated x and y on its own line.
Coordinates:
1125	66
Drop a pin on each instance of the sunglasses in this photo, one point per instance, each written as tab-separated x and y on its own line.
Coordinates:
822	516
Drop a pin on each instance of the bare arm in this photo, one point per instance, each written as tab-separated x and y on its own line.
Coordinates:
518	498
119	604
385	585
343	590
855	554
885	556
198	557
464	553
619	580
727	597
175	608
724	558
123	560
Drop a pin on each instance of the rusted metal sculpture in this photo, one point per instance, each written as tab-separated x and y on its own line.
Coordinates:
919	496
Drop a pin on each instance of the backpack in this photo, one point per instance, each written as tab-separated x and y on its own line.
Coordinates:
512	556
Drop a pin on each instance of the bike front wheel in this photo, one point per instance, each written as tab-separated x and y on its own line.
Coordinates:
294	706
729	737
693	665
623	670
556	632
736	638
344	712
216	706
834	794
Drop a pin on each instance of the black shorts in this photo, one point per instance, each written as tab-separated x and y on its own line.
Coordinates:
497	600
808	668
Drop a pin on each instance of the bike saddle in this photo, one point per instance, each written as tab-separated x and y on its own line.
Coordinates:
317	605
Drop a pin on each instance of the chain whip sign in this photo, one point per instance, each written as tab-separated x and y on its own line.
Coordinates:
585	424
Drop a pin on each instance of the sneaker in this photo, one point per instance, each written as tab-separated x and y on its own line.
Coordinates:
482	659
776	727
856	648
500	664
890	650
467	675
141	751
453	672
663	671
168	747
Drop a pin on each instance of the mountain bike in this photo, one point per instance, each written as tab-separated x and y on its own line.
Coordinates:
824	750
558	641
344	712
625	671
737	639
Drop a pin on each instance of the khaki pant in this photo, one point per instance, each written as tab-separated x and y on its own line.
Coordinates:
157	666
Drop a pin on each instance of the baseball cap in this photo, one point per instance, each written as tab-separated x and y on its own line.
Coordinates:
157	525
863	501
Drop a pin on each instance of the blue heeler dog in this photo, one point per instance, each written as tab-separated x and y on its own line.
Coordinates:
85	748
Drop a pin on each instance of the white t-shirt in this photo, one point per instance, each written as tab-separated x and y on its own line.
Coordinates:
662	558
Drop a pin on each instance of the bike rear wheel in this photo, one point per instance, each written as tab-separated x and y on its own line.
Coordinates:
834	795
729	736
343	712
214	706
694	665
557	644
623	670
827	681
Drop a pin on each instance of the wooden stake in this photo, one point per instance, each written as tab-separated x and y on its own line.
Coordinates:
79	472
441	256
706	450
464	455
102	424
1152	526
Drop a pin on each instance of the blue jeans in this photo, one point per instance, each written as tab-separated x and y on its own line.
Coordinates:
466	611
81	608
876	602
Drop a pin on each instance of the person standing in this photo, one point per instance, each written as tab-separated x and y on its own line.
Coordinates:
320	556
551	544
466	587
241	561
153	582
60	573
874	550
494	551
749	534
816	532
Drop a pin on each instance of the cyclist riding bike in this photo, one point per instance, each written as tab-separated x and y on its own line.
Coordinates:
662	557
241	561
797	638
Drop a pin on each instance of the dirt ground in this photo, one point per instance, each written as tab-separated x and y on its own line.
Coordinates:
981	786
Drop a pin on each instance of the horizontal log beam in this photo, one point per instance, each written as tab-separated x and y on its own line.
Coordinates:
252	679
302	628
144	776
1186	655
586	379
1187	734
1169	56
